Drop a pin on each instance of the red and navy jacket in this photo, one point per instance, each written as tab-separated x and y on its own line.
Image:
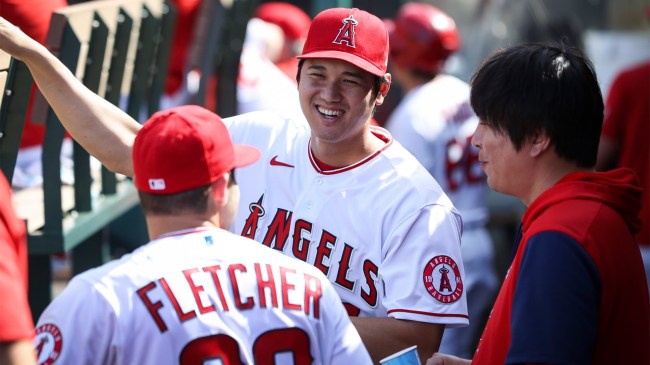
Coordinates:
575	292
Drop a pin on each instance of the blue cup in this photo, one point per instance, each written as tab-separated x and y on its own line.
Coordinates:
408	356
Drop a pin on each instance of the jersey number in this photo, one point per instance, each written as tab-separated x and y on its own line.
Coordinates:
266	346
462	163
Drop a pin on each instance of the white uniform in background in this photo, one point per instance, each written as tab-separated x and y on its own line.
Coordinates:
194	296
435	122
382	230
261	85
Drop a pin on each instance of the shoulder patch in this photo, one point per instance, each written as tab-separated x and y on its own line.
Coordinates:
47	343
442	279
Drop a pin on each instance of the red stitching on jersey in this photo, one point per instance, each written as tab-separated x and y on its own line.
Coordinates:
428	313
379	132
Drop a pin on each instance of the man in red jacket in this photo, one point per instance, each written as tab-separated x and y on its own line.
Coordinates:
575	292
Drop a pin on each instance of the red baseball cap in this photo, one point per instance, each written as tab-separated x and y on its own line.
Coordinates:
293	21
351	35
422	37
184	148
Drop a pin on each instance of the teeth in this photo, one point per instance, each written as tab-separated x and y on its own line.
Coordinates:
330	112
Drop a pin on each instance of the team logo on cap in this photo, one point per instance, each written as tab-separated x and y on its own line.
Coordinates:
442	279
346	33
157	184
47	343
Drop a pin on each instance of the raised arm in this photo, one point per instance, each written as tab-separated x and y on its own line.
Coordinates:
104	130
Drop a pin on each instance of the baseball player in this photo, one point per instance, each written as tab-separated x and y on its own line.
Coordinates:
575	292
338	194
294	23
261	85
196	292
16	325
342	196
435	122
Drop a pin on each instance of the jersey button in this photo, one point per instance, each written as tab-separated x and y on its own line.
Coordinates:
309	204
318	181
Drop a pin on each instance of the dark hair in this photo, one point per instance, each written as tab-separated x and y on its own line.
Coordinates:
379	80
532	88
193	201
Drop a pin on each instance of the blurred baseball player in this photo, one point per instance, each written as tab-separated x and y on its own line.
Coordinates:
340	195
261	85
294	23
435	122
196	292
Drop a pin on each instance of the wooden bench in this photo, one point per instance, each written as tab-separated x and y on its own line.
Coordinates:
118	49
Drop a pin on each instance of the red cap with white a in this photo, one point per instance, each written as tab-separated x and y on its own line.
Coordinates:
351	35
184	148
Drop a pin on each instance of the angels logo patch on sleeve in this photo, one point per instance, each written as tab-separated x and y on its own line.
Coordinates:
442	279
47	343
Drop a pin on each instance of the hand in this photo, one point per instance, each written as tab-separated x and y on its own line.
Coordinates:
442	359
14	41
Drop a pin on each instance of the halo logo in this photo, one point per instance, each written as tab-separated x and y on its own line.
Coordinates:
48	343
442	279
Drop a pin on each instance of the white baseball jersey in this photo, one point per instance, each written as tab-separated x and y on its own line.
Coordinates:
435	122
381	229
196	297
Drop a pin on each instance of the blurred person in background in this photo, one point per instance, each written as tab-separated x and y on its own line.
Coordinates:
294	23
16	325
175	85
261	84
435	122
625	136
273	36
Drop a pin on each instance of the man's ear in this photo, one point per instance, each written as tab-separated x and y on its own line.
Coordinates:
383	89
539	143
220	188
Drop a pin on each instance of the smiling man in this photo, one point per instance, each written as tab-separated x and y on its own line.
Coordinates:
333	190
575	292
350	200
